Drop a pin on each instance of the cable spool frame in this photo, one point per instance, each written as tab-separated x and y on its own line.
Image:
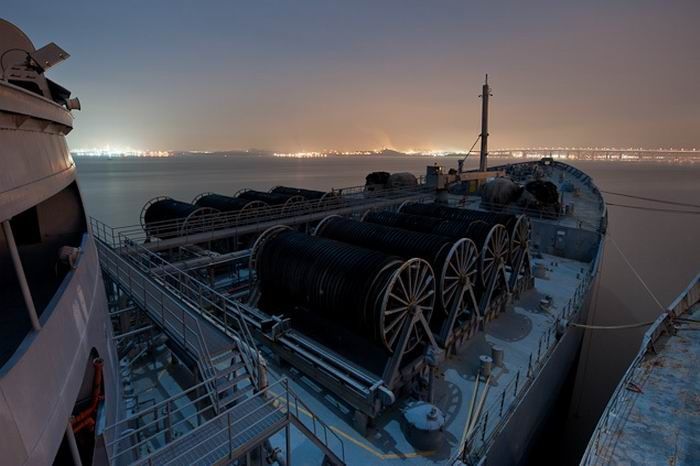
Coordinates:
492	256
142	215
458	278
412	320
319	227
294	204
405	301
492	266
201	195
182	222
201	211
410	296
519	231
520	254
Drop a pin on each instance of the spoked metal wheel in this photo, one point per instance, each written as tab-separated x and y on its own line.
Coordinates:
458	272
295	204
265	236
200	220
322	223
250	211
403	204
200	195
494	253
519	239
410	290
329	200
144	209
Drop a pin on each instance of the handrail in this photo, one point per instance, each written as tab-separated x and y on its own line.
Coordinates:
183	327
193	291
168	432
498	411
326	428
269	397
222	220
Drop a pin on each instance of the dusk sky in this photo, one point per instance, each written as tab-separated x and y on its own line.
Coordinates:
327	74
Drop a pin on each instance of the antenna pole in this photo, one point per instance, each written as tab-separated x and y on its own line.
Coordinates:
485	94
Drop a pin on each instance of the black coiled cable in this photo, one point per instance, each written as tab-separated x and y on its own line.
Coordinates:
222	203
305	193
389	240
341	282
419	223
268	198
168	209
464	215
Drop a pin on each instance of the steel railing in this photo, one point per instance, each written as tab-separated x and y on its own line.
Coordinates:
180	325
495	415
163	436
158	424
318	427
201	298
354	197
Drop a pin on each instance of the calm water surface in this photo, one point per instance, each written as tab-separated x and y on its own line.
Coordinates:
662	247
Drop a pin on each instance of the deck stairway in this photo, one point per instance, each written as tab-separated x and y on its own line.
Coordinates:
230	411
185	430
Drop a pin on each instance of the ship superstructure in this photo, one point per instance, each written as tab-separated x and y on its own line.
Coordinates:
58	376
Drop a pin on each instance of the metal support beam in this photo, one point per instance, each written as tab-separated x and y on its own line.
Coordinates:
288	453
21	278
485	94
70	437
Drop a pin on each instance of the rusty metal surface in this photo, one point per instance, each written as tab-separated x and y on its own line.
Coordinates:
654	415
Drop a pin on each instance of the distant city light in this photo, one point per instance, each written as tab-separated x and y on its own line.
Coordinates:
565	153
108	151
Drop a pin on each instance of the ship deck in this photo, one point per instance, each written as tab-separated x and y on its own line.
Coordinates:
525	332
530	332
653	416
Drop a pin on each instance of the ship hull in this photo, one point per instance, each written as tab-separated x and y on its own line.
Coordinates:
530	416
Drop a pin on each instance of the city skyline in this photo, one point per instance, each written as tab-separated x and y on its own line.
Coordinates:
317	76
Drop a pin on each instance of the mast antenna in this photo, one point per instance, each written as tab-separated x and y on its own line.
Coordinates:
485	94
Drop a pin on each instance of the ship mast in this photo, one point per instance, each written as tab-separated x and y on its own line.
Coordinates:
485	94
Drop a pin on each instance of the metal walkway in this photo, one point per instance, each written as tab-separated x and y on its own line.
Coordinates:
225	437
167	310
183	430
218	226
241	412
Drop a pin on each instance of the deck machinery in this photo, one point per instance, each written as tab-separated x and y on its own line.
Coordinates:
364	362
373	297
437	279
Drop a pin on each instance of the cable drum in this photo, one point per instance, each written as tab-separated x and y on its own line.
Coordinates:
288	201
492	242
407	222
165	216
321	197
518	226
453	261
227	204
372	293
